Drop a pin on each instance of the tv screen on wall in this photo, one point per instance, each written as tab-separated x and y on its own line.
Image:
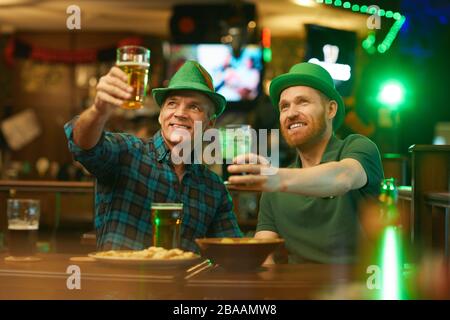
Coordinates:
236	78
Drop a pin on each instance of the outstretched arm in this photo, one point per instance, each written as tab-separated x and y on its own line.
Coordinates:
328	179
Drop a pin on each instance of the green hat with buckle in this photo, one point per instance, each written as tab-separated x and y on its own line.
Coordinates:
192	76
310	75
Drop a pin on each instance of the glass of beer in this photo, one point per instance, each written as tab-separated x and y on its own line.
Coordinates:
166	225
236	139
23	224
135	61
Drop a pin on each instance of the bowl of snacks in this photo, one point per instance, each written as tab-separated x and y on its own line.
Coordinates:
157	257
238	253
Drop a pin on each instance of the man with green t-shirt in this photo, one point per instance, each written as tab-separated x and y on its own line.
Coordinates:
314	203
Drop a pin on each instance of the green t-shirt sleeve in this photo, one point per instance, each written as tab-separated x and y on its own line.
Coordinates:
266	221
366	152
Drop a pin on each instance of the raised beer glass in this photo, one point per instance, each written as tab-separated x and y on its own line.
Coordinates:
236	139
23	224
135	61
166	225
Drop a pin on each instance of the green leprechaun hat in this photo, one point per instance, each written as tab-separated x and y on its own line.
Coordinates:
310	75
192	76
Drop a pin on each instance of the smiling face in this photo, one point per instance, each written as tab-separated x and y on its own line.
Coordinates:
179	112
306	115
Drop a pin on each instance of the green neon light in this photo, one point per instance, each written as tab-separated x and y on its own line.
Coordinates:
328	1
338	3
347	5
363	9
381	12
392	94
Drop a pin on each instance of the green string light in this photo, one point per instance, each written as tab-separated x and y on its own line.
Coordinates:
369	41
392	34
368	44
382	48
397	16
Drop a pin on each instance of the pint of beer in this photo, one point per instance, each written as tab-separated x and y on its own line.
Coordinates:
166	225
135	61
23	224
236	139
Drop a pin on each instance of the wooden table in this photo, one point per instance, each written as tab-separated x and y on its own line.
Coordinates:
281	281
47	279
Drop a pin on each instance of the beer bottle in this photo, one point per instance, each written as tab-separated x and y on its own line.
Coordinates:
388	201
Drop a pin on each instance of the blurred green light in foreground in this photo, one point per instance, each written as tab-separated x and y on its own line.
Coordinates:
392	94
391	266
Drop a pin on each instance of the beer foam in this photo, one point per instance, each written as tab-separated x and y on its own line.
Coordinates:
22	225
167	206
132	63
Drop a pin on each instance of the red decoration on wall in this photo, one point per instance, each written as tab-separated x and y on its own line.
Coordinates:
9	52
64	56
132	41
19	49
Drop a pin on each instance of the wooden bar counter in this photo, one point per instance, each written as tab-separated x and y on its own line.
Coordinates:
47	279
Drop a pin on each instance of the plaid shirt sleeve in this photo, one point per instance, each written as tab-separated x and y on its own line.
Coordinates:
101	160
225	223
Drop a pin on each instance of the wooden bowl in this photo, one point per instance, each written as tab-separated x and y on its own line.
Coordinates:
238	254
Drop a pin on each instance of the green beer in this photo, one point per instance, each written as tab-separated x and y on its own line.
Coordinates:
166	225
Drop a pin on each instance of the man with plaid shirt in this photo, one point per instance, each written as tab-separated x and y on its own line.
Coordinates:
132	173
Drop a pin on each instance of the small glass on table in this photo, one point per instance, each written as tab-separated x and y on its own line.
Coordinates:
166	225
23	225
